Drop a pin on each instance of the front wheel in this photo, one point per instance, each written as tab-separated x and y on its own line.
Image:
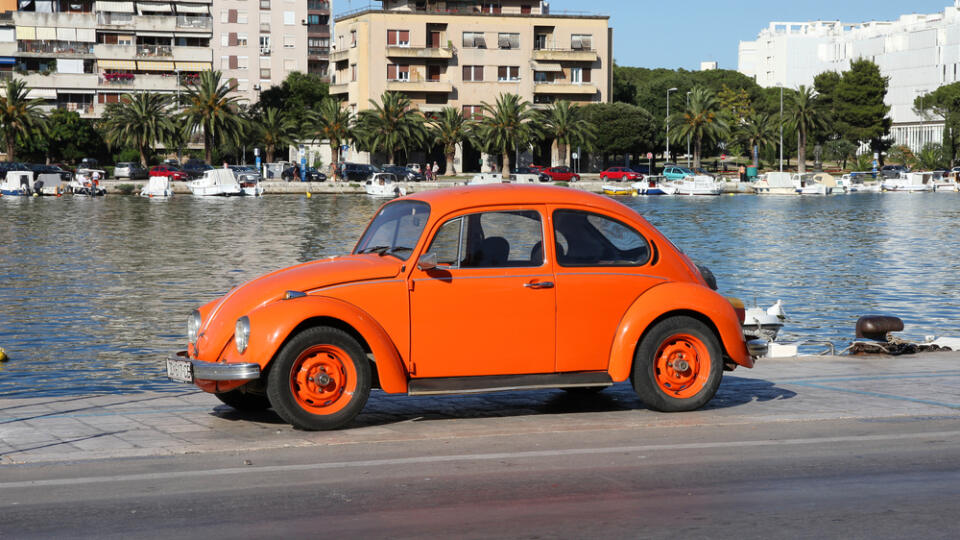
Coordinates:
678	365
320	380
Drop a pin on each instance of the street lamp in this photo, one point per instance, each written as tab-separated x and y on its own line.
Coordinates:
781	128
177	71
688	133
668	120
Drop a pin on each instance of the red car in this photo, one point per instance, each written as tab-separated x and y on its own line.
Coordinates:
619	174
537	168
561	174
169	170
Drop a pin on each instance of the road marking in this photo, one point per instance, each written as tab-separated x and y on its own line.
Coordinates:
426	460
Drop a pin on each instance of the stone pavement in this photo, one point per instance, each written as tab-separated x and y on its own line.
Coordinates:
38	430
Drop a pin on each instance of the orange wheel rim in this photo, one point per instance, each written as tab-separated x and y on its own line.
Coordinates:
682	366
323	379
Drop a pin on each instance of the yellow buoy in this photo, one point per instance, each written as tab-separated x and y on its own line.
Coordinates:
35	194
309	195
3	355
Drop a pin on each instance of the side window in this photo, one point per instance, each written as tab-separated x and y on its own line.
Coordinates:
587	239
510	239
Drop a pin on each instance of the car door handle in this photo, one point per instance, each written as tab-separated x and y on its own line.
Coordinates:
539	285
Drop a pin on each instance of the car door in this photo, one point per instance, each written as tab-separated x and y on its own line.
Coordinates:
602	266
488	307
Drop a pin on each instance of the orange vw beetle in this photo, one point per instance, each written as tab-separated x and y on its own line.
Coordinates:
472	289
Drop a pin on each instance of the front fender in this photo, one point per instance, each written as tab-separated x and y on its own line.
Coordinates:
272	324
669	298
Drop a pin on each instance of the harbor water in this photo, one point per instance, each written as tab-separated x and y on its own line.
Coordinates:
95	292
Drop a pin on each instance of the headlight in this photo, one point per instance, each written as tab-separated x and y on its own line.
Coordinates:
193	326
242	335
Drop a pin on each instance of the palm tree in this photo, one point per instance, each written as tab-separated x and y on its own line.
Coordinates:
333	123
274	129
19	116
449	130
700	120
506	126
562	122
805	117
207	107
759	130
392	125
139	121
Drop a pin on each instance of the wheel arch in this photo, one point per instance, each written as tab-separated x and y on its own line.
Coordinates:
675	299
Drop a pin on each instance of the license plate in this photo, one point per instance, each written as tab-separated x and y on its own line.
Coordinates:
179	370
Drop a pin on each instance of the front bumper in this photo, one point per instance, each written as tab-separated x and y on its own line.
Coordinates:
757	347
209	371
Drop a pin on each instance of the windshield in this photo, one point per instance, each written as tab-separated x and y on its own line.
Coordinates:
395	230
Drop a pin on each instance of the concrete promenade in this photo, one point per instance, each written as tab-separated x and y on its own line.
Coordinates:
776	392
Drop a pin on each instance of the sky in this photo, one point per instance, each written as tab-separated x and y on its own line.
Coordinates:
683	33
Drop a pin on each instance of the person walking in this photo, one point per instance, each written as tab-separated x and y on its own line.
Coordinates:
436	170
743	173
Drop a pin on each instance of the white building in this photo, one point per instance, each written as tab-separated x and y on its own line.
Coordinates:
918	53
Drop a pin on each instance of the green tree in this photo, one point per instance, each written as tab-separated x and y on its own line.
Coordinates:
20	116
274	129
840	150
391	126
208	107
759	130
506	126
700	121
138	121
860	106
805	117
931	156
626	129
334	124
944	102
825	84
449	129
563	123
735	104
902	154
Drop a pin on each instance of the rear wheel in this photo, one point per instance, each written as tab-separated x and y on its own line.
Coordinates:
320	380
678	365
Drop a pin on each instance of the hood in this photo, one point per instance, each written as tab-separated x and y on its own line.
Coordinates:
220	316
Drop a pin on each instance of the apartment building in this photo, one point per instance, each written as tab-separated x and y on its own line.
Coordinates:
318	37
918	52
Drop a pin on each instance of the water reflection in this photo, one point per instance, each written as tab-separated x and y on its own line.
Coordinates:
93	292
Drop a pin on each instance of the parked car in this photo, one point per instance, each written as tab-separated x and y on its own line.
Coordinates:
619	174
538	168
43	168
131	170
171	161
530	171
312	175
89	163
415	167
11	166
246	173
561	174
893	171
404	174
356	172
640	169
462	281
174	173
676	172
195	168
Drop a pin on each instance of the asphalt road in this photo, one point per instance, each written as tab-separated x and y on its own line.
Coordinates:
846	478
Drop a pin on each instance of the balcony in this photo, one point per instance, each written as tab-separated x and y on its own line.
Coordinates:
339	55
202	23
444	87
56	19
322	30
64	81
342	88
154	51
566	55
318	5
139	82
586	89
317	53
425	53
65	49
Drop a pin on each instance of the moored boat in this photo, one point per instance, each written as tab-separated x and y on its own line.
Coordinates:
215	183
910	182
775	183
654	186
87	182
158	186
700	184
618	189
384	185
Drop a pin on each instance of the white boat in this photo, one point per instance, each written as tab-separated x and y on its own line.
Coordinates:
17	183
759	323
700	184
654	186
944	184
384	185
215	183
857	185
910	182
252	188
775	183
807	184
158	186
87	182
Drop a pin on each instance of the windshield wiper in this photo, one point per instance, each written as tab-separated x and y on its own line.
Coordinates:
379	250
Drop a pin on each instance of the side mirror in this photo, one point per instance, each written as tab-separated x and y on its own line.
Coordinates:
427	261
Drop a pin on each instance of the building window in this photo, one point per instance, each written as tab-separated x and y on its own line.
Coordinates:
398	37
264	73
289	64
265	45
508	41
474	40
224	62
472	112
576	75
243	85
525	9
540	77
472	73
353	38
264	4
289	18
581	42
398	72
242	39
289	42
241	16
243	62
508	73
490	7
353	73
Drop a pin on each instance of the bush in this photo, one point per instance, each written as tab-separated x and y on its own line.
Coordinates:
126	189
127	154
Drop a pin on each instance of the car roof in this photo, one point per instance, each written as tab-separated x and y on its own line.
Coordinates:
447	200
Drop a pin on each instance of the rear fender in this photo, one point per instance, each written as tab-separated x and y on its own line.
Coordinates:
678	298
272	324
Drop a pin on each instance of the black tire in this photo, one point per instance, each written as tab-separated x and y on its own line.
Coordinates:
295	389
661	387
244	401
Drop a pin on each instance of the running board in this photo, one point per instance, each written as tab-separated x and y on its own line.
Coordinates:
501	383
